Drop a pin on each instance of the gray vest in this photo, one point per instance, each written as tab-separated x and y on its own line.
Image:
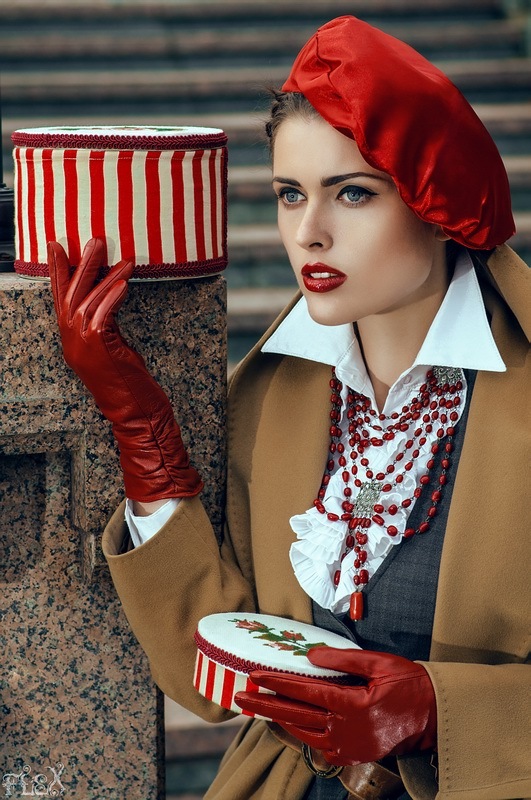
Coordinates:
401	592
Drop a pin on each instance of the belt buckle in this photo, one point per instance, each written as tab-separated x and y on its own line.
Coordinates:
331	772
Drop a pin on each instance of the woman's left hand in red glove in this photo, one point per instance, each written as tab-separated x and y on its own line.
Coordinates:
393	712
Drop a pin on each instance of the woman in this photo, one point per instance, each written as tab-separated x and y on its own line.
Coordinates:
400	373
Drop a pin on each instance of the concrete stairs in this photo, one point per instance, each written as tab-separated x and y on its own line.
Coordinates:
178	62
207	62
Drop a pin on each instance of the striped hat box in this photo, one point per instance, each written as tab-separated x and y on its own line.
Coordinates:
230	646
156	195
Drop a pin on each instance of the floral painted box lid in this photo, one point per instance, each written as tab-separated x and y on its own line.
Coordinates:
232	645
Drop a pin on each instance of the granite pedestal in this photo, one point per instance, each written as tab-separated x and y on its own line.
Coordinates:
80	715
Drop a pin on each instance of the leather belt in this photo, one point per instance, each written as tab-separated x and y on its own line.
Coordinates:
364	781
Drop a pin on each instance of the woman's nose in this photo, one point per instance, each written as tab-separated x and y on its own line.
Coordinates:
313	231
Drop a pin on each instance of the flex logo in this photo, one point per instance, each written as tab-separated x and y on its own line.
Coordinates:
42	784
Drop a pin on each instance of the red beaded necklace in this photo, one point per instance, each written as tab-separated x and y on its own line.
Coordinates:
433	406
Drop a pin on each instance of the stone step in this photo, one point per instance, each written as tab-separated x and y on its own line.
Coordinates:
184	46
504	120
234	11
519	170
194	749
193	756
251	310
184	90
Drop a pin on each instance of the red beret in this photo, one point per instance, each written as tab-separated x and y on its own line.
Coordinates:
409	120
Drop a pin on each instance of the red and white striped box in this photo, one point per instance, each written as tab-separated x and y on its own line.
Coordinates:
230	646
155	195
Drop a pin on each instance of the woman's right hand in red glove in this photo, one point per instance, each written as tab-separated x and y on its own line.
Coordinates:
154	462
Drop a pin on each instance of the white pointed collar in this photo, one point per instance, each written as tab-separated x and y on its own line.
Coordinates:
459	336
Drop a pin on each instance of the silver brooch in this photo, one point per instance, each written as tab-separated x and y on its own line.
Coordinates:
448	375
367	497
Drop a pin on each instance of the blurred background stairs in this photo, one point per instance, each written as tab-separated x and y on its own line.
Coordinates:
70	62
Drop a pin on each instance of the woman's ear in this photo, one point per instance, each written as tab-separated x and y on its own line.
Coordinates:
440	235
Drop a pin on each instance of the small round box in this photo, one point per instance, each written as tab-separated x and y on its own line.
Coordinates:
230	646
157	196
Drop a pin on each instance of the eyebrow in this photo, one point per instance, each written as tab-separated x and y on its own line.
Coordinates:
335	179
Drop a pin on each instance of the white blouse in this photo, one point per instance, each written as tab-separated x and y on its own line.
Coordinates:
459	337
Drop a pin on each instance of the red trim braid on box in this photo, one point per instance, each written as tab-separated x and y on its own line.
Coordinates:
61	138
237	664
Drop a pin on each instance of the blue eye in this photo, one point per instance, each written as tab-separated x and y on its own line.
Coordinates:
355	195
289	196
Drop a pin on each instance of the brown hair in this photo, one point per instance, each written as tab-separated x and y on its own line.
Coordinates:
284	105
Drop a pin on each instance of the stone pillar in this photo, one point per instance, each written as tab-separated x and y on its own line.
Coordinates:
78	708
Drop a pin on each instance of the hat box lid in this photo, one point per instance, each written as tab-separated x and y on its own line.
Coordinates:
230	646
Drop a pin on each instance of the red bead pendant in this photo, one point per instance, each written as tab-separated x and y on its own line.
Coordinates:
356	606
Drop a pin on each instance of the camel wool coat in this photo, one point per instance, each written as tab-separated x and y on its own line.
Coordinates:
480	634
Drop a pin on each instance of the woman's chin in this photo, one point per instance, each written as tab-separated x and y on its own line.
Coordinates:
328	313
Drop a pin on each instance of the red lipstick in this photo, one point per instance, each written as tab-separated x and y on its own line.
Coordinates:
322	278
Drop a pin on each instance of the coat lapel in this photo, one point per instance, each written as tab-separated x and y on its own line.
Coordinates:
278	438
290	455
482	576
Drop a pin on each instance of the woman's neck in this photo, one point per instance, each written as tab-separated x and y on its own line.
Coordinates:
391	341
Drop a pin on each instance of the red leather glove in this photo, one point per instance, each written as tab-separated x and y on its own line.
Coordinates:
393	713
154	462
